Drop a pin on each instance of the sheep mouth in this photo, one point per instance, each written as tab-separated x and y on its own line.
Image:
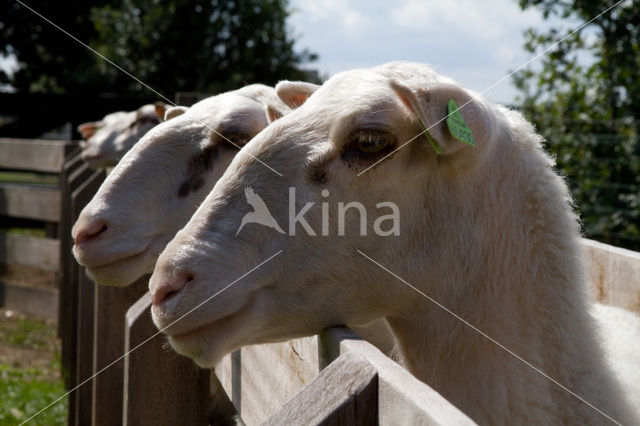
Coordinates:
96	261
124	270
207	344
178	326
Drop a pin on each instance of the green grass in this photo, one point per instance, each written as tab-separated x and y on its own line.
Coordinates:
25	392
29	177
30	376
28	332
29	232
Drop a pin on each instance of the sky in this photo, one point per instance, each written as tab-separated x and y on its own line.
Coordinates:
477	43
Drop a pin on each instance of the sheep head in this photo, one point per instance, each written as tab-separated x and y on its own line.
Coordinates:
159	183
345	183
107	141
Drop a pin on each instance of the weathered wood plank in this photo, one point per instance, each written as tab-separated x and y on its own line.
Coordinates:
41	253
84	357
160	386
82	365
402	398
27	276
283	368
30	201
33	154
74	176
64	236
36	301
345	393
111	305
613	274
75	173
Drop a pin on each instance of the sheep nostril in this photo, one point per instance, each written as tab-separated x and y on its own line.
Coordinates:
91	230
169	289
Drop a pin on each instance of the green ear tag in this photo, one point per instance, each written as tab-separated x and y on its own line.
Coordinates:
433	142
457	127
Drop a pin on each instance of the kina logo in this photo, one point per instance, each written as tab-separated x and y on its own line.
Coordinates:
260	213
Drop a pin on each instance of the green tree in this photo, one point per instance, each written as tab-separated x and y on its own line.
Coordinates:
205	46
49	60
170	45
584	97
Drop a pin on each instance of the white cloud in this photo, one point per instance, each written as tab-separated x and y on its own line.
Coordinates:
486	20
476	42
335	14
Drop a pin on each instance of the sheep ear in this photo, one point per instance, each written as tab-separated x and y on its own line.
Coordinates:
274	112
87	130
450	126
295	93
161	108
174	112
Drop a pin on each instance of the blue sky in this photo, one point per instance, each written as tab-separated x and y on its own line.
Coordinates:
475	42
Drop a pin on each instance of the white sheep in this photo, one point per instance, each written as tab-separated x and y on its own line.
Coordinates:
160	182
106	141
487	231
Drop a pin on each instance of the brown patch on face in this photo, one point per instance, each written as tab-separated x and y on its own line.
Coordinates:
317	174
197	167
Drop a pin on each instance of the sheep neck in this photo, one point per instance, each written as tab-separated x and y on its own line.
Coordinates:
525	290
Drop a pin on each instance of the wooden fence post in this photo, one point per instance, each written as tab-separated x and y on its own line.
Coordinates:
160	386
82	403
74	173
72	162
111	305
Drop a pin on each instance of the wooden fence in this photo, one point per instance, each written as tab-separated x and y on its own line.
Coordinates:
333	378
30	214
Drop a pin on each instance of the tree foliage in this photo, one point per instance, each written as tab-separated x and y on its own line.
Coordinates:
49	60
584	97
176	45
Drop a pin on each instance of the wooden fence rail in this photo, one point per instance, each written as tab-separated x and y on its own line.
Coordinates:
125	372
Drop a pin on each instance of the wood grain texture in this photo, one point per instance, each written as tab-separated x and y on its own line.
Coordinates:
41	253
160	386
111	305
345	393
33	154
30	201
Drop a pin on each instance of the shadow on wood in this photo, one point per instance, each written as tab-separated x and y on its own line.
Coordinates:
111	305
160	386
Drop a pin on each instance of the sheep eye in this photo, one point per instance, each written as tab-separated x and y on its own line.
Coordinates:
372	142
237	139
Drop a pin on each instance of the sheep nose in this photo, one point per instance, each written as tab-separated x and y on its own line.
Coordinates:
89	230
169	288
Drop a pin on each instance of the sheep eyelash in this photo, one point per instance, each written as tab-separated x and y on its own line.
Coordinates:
385	139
